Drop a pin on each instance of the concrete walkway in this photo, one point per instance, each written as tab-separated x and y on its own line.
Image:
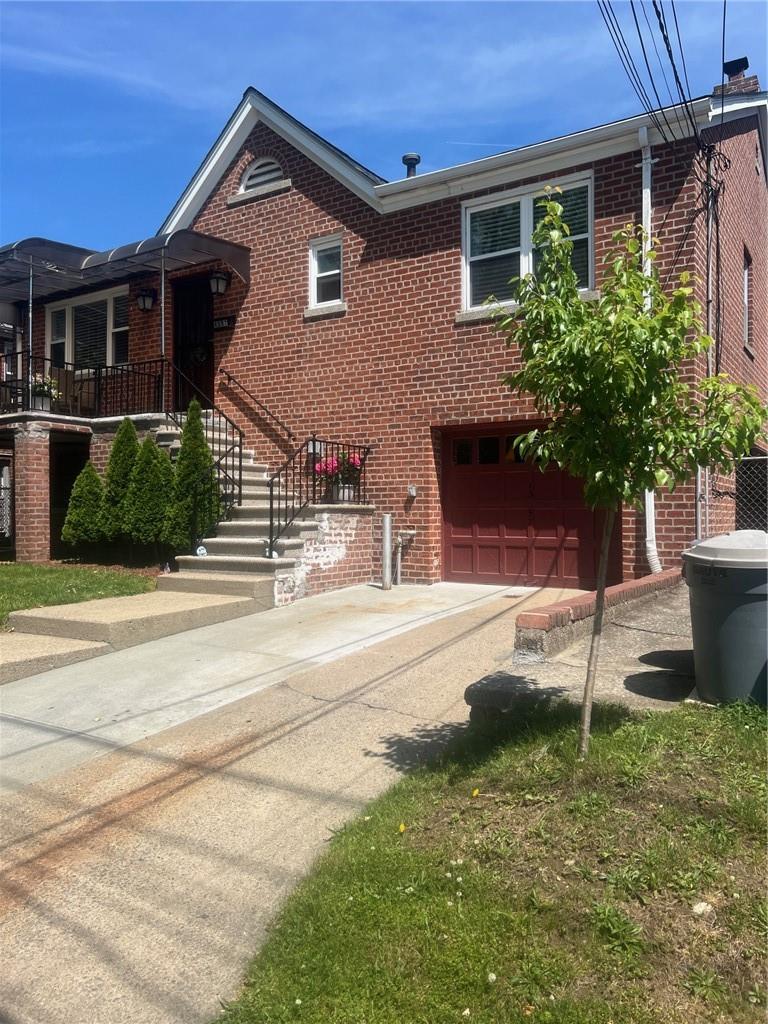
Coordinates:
59	719
135	886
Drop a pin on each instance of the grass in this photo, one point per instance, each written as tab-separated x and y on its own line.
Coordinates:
31	586
508	883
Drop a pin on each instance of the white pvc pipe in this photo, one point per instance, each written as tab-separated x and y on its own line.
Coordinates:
651	551
386	551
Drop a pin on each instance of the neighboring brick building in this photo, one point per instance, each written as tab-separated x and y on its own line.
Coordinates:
360	319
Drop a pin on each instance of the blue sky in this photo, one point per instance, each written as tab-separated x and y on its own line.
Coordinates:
108	108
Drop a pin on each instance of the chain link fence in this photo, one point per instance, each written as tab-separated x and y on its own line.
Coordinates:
737	500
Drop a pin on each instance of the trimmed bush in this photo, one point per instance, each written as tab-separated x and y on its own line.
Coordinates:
194	506
122	457
83	522
149	494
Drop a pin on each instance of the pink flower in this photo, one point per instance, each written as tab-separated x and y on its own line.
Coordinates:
355	461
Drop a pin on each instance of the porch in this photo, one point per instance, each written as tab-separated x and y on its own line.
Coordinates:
121	332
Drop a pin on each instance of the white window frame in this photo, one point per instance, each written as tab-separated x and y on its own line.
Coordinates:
69	305
526	196
316	246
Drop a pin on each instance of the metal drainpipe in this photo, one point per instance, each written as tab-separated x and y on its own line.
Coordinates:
651	551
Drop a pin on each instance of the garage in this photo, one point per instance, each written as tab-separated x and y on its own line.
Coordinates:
506	522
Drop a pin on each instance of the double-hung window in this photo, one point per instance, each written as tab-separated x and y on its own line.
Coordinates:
325	272
89	331
498	239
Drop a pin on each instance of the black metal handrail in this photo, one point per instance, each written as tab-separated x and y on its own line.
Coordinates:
318	472
40	384
234	382
224	437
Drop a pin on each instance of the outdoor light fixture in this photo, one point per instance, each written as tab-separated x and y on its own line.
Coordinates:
219	281
145	300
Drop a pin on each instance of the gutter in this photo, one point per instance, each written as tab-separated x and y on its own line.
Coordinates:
651	551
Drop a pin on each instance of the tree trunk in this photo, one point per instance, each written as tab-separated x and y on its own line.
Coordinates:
597	633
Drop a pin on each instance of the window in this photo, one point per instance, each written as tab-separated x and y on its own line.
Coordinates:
747	301
325	272
498	240
261	172
89	331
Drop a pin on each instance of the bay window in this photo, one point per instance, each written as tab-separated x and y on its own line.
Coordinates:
89	331
498	239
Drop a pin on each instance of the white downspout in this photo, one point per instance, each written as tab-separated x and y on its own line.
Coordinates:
651	551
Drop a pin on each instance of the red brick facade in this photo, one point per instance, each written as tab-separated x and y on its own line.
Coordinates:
400	363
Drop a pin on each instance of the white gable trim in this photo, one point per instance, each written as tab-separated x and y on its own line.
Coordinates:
541	158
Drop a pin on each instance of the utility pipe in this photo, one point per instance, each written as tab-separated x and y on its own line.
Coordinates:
386	551
651	551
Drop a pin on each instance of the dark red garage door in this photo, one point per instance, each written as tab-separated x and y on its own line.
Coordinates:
504	521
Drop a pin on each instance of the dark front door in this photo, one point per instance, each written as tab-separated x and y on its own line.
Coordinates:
193	341
68	455
506	522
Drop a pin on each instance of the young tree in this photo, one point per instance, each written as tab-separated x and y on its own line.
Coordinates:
149	494
122	457
194	506
83	522
608	378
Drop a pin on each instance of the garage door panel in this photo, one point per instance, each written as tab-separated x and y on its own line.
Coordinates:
516	561
507	522
516	522
546	524
488	489
462	558
545	563
489	559
546	486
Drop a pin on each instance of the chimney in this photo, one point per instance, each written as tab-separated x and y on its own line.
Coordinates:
737	81
411	160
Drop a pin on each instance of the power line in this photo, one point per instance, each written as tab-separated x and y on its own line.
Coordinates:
648	69
665	36
627	61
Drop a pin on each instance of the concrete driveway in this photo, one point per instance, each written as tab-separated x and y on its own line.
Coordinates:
179	790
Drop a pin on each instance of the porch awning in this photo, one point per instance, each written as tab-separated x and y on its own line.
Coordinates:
58	268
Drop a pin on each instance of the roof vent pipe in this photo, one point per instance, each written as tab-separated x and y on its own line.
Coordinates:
411	161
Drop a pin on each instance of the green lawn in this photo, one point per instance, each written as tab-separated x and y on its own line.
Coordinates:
529	888
31	586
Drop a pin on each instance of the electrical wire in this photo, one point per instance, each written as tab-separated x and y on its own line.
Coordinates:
671	57
625	56
650	73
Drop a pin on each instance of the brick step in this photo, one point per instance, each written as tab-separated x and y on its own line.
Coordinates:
233	563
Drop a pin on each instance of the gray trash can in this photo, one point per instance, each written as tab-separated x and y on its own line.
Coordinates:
727	579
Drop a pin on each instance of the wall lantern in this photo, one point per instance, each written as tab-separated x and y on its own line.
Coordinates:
219	282
145	300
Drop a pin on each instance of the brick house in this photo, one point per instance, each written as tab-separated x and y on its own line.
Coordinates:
314	307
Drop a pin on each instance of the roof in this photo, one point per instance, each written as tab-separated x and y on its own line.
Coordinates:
58	267
541	157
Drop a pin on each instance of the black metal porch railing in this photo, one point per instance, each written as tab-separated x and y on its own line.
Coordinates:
233	382
318	472
38	384
225	439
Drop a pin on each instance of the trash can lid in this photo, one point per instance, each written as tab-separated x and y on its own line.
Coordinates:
742	549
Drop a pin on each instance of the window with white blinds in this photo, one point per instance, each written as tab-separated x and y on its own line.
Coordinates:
261	172
498	244
89	331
